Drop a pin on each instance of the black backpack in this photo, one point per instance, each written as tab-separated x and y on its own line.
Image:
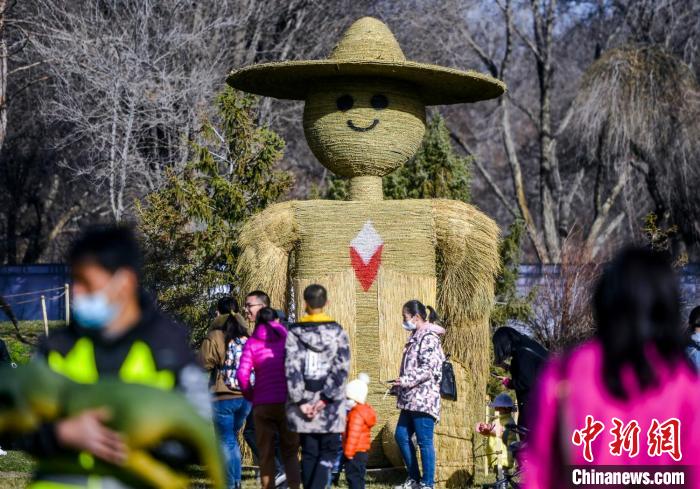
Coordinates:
448	383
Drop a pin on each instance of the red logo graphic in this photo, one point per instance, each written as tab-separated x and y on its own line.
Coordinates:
366	255
665	438
626	438
586	436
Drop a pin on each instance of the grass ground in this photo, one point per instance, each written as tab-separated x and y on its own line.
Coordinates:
30	330
15	469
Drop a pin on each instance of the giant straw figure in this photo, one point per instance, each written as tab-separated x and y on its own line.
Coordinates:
364	116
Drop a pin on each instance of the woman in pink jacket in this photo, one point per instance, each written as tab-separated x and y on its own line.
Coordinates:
264	354
629	397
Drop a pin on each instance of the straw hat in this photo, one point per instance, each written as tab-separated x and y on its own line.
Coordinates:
367	49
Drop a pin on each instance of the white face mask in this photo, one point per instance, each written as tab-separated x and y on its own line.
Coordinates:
350	403
409	326
94	311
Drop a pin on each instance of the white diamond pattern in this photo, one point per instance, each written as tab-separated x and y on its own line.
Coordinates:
367	242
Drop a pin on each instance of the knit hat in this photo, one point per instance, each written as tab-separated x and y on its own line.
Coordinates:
503	400
367	49
357	389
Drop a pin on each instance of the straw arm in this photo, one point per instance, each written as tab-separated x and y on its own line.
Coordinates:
468	262
266	241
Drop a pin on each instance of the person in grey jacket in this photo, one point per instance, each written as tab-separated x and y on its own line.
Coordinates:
317	363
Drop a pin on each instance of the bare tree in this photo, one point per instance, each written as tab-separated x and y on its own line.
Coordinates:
561	312
13	62
134	77
130	78
548	218
637	110
527	151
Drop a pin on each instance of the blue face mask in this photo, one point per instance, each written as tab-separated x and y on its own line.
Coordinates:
409	326
94	311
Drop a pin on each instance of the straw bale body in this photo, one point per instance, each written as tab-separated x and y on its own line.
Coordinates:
440	252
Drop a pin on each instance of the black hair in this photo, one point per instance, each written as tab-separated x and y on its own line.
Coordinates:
111	247
262	296
315	296
694	319
265	315
234	328
415	307
637	303
227	305
505	341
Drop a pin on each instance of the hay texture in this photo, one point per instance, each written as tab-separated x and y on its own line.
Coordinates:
367	48
448	237
339	139
364	117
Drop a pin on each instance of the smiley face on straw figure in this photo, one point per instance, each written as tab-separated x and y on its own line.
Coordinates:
363	127
364	117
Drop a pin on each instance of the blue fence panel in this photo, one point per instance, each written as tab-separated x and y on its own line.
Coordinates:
23	285
532	275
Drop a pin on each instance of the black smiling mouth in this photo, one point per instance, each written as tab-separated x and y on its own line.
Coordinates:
363	129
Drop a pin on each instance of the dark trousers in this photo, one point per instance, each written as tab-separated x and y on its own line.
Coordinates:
271	420
356	469
249	437
523	414
318	455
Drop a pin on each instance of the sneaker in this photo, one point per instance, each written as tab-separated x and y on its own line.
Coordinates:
2	452
280	479
409	484
424	486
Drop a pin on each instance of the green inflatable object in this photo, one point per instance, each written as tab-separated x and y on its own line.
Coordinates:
33	394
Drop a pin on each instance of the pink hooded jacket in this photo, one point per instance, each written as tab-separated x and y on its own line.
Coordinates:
264	354
569	391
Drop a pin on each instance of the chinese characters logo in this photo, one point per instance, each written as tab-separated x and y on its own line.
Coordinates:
661	438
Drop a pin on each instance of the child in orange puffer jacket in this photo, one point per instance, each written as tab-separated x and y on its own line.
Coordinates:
357	439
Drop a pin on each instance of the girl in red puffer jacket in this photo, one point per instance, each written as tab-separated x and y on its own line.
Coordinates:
357	439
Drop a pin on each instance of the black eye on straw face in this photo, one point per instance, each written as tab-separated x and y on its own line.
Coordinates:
344	102
379	101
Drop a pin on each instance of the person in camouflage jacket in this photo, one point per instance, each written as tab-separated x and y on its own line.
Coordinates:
317	363
418	393
421	372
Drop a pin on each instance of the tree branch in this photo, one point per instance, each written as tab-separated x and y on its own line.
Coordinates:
506	9
26	67
602	216
485	58
564	123
27	85
518	185
487	176
605	235
567	200
523	109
